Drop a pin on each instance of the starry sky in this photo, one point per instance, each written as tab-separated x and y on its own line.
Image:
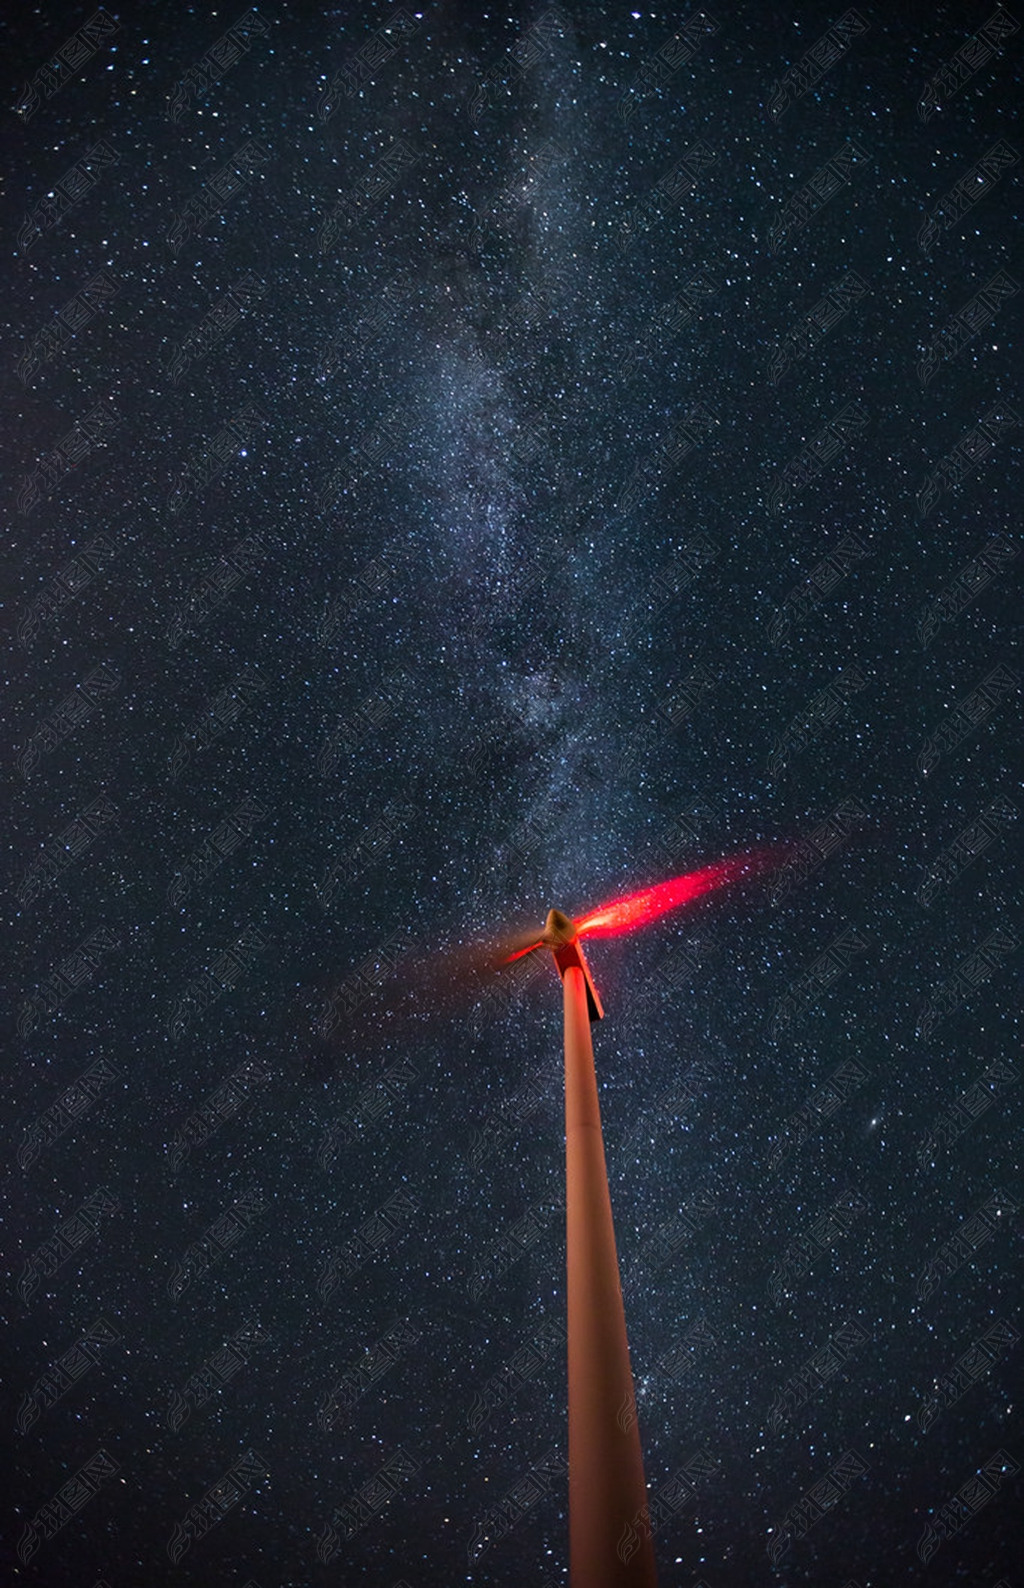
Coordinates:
457	462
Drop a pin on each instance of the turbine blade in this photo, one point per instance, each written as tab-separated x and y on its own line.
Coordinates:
636	909
521	951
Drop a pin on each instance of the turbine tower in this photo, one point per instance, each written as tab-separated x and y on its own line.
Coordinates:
609	1526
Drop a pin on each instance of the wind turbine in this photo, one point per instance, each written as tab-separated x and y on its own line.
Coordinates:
610	1534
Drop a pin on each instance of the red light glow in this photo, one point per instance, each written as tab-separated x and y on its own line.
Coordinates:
636	909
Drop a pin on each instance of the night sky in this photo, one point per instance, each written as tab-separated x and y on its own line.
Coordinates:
460	462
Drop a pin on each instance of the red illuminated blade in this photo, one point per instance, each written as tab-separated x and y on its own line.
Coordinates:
636	909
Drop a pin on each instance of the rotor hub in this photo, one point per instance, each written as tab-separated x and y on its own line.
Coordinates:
559	929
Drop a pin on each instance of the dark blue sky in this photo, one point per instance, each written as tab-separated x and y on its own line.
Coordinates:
460	462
